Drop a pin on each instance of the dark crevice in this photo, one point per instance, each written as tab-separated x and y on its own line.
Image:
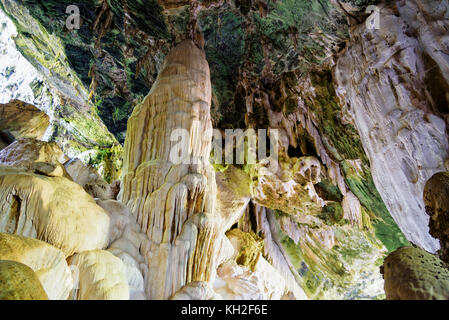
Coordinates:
295	152
437	86
14	215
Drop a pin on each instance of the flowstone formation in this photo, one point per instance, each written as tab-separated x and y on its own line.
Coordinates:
394	83
174	202
46	261
52	225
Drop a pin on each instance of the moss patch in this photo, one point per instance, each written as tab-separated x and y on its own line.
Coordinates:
250	247
362	185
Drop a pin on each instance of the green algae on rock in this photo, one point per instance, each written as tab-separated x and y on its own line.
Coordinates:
19	282
250	247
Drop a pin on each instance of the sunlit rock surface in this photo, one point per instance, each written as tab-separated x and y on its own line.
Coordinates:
22	120
102	276
31	206
46	261
394	83
19	282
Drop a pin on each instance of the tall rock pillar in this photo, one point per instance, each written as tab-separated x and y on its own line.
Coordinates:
174	202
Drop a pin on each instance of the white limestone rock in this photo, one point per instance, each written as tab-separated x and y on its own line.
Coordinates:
392	81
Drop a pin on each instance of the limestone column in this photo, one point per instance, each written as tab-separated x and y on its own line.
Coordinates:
173	202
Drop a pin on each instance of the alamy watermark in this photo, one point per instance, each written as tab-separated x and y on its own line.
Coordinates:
373	21
236	146
73	21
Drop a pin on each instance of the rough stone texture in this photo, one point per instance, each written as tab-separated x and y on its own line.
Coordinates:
276	254
35	156
317	260
291	188
233	195
413	274
394	82
87	177
248	247
19	282
77	131
22	120
52	209
247	275
126	239
102	276
195	290
46	261
436	200
173	203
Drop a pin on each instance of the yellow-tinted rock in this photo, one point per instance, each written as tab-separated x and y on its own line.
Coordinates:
46	261
53	209
414	274
248	247
233	195
35	156
23	120
288	186
173	201
102	276
19	282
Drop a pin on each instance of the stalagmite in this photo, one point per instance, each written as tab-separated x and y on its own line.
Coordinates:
174	202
